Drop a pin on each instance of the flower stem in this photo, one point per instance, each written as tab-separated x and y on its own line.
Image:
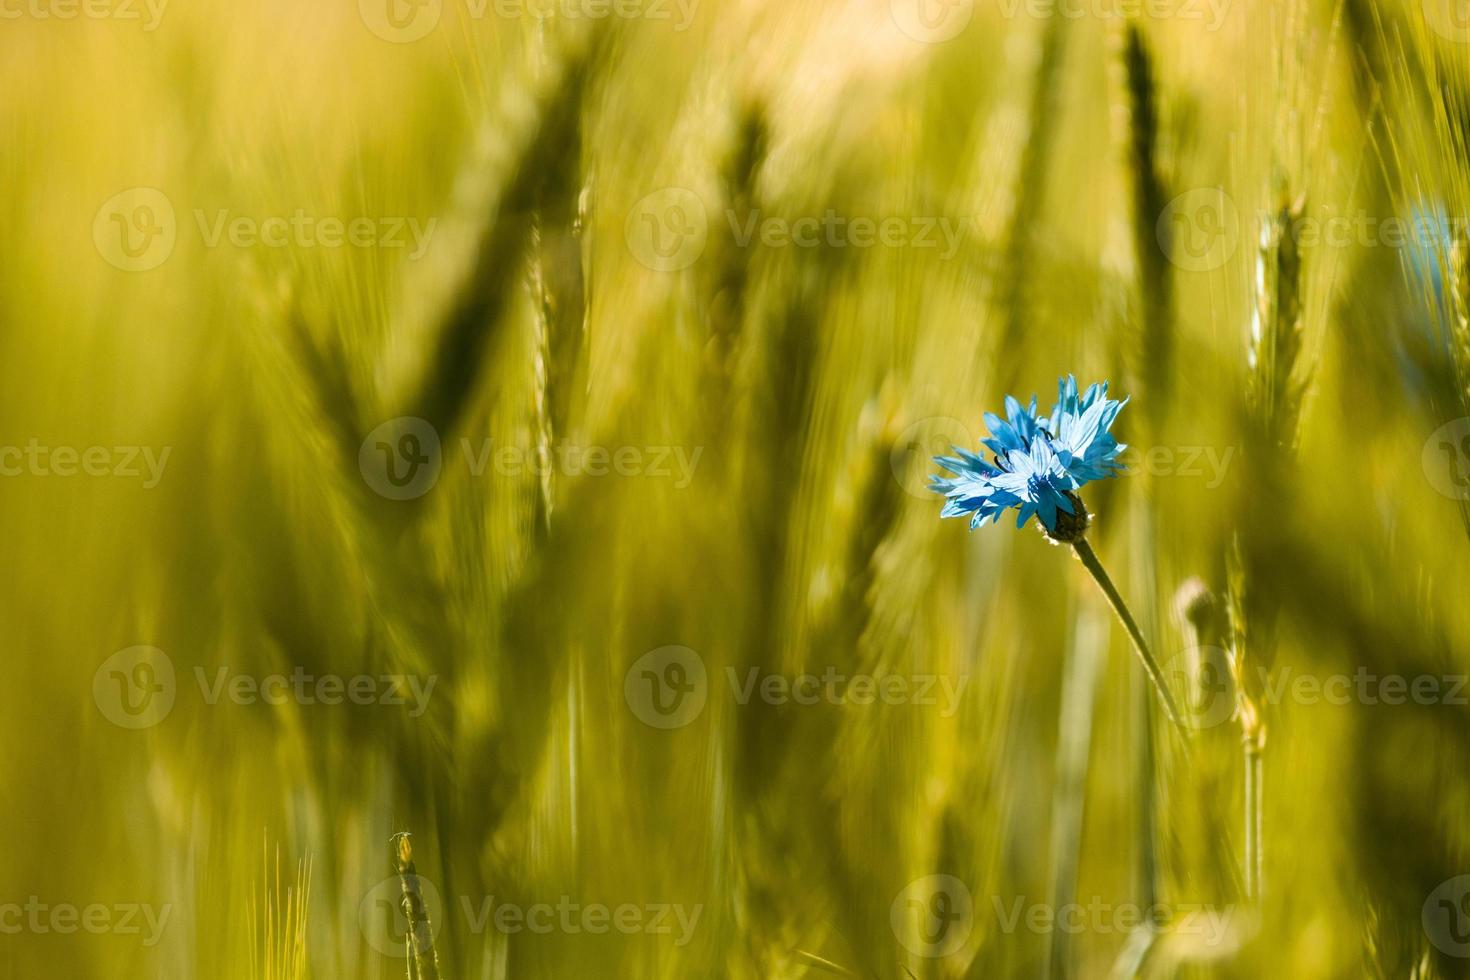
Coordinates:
1100	576
1253	821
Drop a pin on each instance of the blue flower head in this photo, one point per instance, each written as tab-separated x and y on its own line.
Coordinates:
1037	462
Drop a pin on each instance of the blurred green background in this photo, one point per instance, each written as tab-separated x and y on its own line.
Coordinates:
325	284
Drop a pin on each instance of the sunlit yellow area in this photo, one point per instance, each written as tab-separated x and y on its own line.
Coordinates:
464	489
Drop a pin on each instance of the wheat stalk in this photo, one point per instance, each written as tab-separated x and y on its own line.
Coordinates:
1457	339
459	360
1153	358
732	261
423	959
1275	390
1151	246
558	285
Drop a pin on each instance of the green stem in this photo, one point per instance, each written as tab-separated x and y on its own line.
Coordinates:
1074	747
1099	574
1253	820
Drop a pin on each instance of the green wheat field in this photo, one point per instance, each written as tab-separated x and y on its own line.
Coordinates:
508	423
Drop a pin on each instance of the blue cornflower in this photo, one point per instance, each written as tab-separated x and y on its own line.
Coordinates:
1037	462
1421	343
1037	465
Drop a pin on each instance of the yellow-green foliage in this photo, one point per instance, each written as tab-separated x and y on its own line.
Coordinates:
806	387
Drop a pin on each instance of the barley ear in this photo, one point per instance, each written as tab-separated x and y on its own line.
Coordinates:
556	278
460	355
423	960
739	176
1149	200
1275	393
1458	339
